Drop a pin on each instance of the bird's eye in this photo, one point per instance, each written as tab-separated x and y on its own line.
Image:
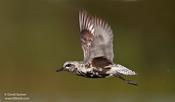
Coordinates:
68	65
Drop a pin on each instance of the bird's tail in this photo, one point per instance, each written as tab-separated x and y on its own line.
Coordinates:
123	70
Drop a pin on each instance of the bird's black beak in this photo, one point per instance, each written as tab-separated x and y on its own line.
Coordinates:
60	69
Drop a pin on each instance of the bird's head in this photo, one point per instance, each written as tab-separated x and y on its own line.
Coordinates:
69	66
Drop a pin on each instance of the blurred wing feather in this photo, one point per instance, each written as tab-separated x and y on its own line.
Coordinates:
96	37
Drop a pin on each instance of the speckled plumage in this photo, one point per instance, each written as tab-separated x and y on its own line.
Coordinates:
97	43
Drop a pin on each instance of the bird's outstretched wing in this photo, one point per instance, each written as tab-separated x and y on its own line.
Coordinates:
96	37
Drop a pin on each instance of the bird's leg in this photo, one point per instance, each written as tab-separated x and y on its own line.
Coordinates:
125	80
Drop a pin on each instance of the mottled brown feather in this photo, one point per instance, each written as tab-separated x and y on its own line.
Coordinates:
86	36
100	62
86	39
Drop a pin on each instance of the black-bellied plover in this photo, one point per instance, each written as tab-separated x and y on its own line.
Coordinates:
97	43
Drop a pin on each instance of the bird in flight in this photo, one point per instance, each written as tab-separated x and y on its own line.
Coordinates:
97	43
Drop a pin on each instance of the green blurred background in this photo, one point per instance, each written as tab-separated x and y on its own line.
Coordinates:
36	36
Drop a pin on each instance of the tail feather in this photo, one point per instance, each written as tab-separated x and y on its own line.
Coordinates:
117	68
123	70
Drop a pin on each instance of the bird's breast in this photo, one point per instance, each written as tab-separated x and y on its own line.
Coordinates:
93	73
